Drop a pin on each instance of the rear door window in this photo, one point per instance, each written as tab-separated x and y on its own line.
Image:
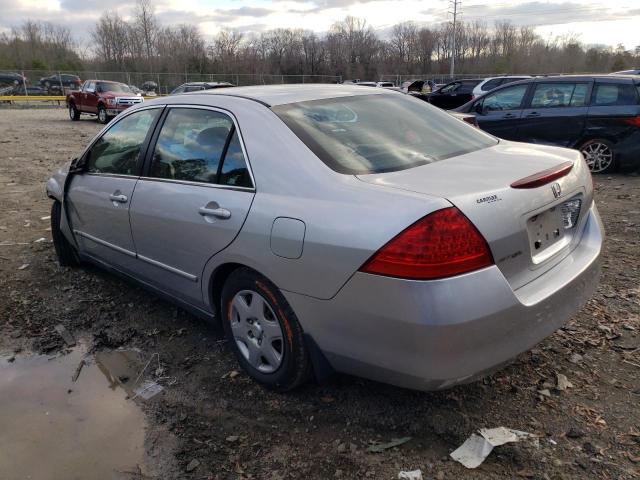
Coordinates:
608	94
506	99
553	95
192	144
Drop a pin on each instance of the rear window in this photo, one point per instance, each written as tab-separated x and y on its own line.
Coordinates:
379	133
615	94
491	84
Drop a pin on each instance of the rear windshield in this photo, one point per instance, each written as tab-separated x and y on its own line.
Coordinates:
379	133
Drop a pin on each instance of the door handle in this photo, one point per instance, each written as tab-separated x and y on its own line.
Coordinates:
222	213
118	198
509	115
533	114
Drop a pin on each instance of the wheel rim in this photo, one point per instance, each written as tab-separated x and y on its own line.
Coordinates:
102	115
598	156
72	113
256	331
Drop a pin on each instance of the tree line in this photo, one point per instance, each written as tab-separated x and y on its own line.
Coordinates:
350	48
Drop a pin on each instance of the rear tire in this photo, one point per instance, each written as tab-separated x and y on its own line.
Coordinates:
102	115
66	253
254	315
74	114
599	155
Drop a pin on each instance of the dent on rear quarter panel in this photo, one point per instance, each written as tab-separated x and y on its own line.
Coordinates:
346	220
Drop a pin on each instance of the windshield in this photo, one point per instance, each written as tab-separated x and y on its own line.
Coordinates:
379	133
113	87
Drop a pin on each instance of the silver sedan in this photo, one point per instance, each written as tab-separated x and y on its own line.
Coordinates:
334	227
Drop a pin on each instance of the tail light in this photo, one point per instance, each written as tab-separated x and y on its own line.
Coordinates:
633	121
543	177
442	244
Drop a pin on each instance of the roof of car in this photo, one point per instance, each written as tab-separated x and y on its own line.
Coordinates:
271	95
206	83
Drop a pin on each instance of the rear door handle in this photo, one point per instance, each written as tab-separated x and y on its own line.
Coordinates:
509	115
118	198
221	213
533	114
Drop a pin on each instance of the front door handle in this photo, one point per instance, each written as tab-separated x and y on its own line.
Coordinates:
118	197
509	115
533	114
221	213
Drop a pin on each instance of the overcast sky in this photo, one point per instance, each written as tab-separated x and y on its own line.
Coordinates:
595	22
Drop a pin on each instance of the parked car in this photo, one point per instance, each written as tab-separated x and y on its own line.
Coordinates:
423	258
626	72
196	86
419	88
385	85
367	84
101	98
149	88
57	82
453	94
598	115
490	83
10	78
28	90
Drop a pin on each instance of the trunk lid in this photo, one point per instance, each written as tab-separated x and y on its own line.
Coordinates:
529	230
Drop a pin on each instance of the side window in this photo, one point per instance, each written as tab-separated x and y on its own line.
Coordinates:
117	151
190	145
450	88
234	168
614	94
491	84
550	95
193	88
89	86
505	99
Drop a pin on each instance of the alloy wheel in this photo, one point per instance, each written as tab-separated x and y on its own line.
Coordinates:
598	155
256	331
102	115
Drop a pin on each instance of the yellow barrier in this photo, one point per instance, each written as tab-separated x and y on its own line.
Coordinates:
37	98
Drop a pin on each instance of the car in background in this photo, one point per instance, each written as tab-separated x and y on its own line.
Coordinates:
626	72
11	78
149	88
490	83
318	243
28	90
453	94
419	88
58	82
367	84
102	98
385	85
197	86
596	114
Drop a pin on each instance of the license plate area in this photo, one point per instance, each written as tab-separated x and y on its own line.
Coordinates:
547	234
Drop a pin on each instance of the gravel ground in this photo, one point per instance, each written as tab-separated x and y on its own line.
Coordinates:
236	429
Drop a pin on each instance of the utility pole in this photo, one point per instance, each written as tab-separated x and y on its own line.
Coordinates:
455	4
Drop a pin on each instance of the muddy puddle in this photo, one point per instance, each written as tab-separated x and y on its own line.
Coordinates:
52	427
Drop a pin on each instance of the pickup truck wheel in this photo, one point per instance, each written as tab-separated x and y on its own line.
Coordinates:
102	115
74	114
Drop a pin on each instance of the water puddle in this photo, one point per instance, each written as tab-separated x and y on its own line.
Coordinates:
52	427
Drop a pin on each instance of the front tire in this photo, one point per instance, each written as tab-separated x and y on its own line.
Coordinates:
599	155
102	115
263	331
74	114
66	253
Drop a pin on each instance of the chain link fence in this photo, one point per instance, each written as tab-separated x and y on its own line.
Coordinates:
61	81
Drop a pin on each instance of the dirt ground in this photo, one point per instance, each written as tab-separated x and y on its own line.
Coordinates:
236	429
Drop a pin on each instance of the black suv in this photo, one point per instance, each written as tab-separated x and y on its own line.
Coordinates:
598	115
453	94
57	82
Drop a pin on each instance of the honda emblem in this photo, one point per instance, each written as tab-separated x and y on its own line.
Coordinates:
556	189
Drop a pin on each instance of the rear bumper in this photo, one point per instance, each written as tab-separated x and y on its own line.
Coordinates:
436	334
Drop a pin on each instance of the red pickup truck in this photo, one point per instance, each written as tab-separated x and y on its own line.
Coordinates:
101	98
